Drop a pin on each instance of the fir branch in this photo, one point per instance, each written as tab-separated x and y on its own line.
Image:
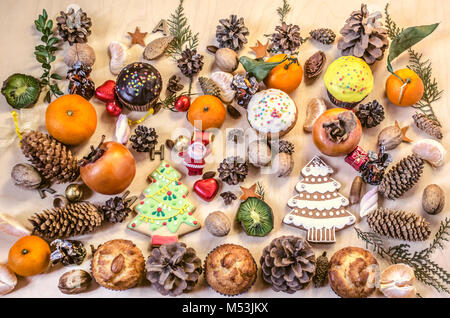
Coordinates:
260	190
391	26
182	33
45	54
284	10
440	238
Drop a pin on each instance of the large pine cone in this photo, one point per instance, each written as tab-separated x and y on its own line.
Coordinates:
74	26
233	170
399	224
173	268
50	157
71	220
190	62
286	38
288	263
402	177
364	36
232	33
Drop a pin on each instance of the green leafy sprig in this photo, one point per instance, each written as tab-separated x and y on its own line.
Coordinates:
45	54
182	34
260	190
284	10
425	269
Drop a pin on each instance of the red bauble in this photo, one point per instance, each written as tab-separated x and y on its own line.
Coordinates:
105	92
206	188
182	103
113	108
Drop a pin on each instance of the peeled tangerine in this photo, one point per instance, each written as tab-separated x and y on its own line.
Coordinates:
397	281
223	80
431	151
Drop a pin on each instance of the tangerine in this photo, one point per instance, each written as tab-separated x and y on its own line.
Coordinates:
29	256
405	93
208	110
71	119
286	76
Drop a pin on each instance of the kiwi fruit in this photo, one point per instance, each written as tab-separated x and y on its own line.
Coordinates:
21	91
255	216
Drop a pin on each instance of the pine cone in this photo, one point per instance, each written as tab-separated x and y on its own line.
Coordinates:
67	252
74	27
228	197
190	62
324	36
402	177
209	87
370	114
144	139
50	157
232	33
245	87
399	224
173	85
286	38
73	219
233	170
288	263
286	147
320	278
79	81
115	210
364	36
173	268
428	125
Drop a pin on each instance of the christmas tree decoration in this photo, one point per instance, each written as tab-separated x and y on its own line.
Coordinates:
364	36
323	35
74	192
165	210
137	37
320	278
144	139
71	220
402	177
233	170
319	207
399	224
80	82
315	64
173	269
232	33
370	114
67	252
74	26
428	125
392	136
431	151
288	264
50	157
206	188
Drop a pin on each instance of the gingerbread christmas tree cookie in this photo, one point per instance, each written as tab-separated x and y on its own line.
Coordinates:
319	207
165	210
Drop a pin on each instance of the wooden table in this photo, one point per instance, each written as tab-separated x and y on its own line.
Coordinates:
113	19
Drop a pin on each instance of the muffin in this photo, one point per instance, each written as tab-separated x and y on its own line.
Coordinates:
348	81
118	265
230	269
354	273
138	86
272	111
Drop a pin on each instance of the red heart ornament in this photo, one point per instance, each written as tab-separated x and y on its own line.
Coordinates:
105	92
206	188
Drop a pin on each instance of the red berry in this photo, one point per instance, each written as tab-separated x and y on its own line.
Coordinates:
182	103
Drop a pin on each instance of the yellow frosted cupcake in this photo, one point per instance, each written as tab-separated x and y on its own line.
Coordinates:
348	80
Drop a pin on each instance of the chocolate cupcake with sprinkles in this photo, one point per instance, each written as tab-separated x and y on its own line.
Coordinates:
138	86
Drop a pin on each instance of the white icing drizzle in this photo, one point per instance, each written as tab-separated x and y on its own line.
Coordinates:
329	186
310	223
334	203
316	167
369	202
271	111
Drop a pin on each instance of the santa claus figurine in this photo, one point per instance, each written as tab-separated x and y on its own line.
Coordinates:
194	155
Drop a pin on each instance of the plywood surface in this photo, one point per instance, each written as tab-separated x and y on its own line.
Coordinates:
111	22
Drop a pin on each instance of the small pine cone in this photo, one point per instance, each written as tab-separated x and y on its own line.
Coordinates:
79	81
144	139
324	36
402	177
320	278
190	62
67	252
115	210
286	38
428	125
286	147
399	224
74	26
70	220
173	84
288	264
228	197
232	33
233	170
209	87
50	157
370	114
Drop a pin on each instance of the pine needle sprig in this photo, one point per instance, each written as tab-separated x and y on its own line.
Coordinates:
45	54
182	33
284	10
425	269
260	190
391	26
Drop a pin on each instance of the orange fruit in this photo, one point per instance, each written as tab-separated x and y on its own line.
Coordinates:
208	111
71	119
412	91
281	78
29	256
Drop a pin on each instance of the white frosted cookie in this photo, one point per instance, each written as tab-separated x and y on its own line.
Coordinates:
272	111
